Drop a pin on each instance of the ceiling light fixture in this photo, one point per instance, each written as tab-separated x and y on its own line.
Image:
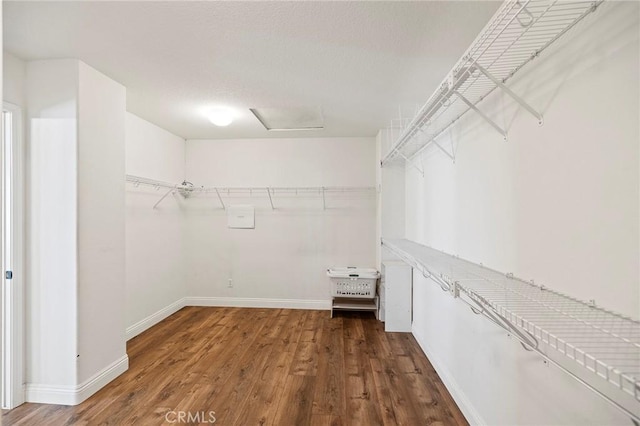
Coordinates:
220	117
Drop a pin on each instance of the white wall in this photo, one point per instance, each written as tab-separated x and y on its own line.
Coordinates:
153	152
13	78
51	230
557	203
284	260
51	223
101	222
155	269
75	231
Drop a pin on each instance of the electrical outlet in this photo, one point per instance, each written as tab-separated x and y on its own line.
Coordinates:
230	285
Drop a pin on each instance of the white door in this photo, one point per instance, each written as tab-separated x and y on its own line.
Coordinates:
11	360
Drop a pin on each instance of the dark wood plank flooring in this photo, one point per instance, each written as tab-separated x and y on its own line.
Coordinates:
264	367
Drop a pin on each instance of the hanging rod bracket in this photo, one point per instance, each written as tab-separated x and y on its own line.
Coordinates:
481	114
510	92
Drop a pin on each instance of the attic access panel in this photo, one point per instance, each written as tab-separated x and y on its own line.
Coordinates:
296	118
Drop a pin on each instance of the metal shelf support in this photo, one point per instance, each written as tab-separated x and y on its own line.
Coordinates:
163	197
481	114
432	139
270	199
510	92
411	164
220	199
451	156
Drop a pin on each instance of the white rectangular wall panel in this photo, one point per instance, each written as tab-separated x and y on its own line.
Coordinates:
397	279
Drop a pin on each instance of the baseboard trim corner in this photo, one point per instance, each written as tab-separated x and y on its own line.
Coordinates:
458	395
153	319
74	395
101	379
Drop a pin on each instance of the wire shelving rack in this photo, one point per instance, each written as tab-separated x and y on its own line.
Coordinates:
518	32
187	189
598	347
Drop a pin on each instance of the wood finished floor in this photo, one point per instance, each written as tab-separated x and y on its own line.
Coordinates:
265	367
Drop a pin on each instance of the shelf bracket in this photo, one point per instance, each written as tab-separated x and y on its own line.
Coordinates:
220	199
324	201
451	156
163	197
523	337
481	114
270	199
433	140
445	286
411	164
510	92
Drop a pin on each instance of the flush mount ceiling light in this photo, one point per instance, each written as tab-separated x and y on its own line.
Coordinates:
220	116
296	118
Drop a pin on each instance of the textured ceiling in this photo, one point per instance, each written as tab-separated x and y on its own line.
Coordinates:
359	61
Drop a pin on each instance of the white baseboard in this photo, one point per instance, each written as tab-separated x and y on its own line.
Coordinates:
240	302
468	410
153	319
246	302
74	395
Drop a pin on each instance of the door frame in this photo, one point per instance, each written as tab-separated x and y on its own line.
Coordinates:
12	387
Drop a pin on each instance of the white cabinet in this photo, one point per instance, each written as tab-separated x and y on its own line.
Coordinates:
395	296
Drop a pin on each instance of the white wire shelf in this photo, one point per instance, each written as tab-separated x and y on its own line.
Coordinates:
518	32
187	190
598	347
138	180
